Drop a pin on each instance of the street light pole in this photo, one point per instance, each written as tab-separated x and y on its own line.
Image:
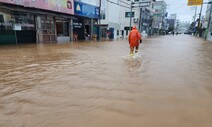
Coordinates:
131	15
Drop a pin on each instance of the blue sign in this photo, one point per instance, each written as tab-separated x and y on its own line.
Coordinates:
86	10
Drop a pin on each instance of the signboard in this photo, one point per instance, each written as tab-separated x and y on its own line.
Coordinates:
63	6
77	25
86	10
17	27
142	4
91	2
194	2
128	14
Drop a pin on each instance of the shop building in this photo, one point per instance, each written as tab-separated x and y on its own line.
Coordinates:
86	23
28	21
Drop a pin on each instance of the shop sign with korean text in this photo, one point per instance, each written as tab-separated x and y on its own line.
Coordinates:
194	2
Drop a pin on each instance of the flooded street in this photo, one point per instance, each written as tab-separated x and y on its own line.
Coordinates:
95	84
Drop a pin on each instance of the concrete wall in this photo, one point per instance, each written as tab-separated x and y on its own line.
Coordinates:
111	15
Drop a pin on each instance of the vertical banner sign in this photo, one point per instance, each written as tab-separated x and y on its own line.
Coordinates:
194	2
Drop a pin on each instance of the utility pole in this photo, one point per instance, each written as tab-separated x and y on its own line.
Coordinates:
200	15
200	18
140	21
131	15
99	19
195	13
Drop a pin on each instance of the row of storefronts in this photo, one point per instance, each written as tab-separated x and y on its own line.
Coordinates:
31	21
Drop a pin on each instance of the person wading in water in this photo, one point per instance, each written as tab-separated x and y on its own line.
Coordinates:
134	38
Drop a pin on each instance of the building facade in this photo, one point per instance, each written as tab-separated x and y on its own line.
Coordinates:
115	17
171	21
159	17
146	20
31	21
124	19
109	18
142	16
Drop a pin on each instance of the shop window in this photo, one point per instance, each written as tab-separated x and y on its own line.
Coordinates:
126	28
122	32
102	16
117	32
1	19
62	28
27	21
48	28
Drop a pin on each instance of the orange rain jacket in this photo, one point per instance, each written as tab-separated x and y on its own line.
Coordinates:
134	37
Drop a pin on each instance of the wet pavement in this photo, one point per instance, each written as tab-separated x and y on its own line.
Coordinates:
96	84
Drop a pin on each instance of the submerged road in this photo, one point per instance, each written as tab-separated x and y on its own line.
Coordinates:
96	84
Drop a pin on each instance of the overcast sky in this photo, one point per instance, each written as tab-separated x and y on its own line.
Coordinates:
184	12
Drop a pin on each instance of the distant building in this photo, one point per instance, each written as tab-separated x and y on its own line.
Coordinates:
171	23
146	19
173	16
159	17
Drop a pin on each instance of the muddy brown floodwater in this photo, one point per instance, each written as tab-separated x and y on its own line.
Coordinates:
95	84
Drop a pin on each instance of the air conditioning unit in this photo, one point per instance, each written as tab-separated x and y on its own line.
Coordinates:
135	20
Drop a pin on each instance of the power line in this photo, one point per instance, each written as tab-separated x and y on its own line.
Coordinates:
124	2
117	4
121	4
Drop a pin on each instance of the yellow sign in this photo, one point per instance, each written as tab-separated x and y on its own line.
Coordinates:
194	2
